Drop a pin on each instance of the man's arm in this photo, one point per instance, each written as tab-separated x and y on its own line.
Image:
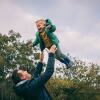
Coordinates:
42	79
38	70
39	67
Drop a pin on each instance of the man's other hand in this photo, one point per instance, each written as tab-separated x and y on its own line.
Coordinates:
53	49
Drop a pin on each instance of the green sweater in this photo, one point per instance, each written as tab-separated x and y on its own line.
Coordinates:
50	34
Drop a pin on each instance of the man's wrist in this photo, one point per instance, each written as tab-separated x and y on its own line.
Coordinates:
41	63
51	54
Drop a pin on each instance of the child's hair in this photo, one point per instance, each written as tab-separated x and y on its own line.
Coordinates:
41	20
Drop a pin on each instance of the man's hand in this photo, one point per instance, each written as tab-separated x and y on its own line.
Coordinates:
30	45
53	49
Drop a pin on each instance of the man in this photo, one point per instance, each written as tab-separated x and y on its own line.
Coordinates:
33	87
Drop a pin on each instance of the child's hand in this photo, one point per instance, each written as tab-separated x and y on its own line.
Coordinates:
48	26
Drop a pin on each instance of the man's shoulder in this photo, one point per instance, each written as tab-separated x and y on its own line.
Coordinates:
21	82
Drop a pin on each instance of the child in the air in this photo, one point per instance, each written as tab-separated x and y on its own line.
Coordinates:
45	37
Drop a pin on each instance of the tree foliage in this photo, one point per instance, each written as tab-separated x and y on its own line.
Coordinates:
82	82
14	53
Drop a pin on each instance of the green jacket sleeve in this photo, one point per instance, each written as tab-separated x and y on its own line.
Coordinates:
35	42
52	28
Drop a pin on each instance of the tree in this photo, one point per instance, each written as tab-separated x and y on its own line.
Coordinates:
81	82
14	53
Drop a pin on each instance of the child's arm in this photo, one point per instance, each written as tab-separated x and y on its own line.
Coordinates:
49	26
35	42
52	28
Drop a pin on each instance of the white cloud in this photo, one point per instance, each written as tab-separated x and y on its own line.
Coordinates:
78	23
14	17
85	47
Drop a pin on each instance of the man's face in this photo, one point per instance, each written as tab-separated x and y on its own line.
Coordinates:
40	25
24	75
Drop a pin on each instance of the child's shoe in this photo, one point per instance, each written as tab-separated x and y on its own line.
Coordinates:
69	65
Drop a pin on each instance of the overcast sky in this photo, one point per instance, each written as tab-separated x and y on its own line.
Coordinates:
77	22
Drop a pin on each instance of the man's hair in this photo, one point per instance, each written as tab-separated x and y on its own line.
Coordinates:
15	77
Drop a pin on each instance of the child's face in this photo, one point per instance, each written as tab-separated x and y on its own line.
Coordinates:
40	25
